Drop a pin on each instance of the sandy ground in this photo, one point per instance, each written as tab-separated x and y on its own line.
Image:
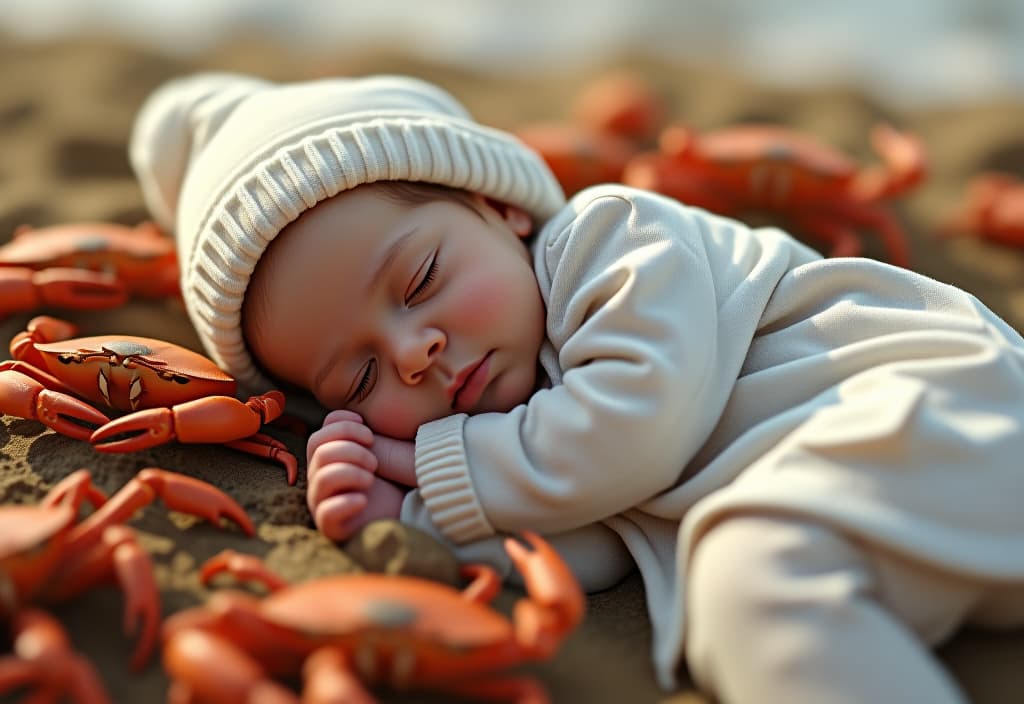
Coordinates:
65	113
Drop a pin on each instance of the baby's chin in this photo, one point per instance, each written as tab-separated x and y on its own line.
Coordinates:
510	395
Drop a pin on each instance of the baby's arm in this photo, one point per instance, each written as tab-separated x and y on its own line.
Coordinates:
651	309
349	469
355	477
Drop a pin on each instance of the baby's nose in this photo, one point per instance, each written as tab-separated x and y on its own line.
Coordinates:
418	354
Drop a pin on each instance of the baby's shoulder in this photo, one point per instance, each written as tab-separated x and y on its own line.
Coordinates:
612	196
609	210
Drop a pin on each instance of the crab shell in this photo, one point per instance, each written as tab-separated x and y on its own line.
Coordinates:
138	256
133	373
428	625
740	156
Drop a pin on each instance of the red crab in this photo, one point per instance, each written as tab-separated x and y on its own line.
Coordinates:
343	631
48	555
993	209
85	266
777	170
168	392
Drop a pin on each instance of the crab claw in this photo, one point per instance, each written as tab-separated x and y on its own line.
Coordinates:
555	603
54	409
190	495
142	430
904	165
79	288
211	419
242	567
24	397
178	492
41	328
66	287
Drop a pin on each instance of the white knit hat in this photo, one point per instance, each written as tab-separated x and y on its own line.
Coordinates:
226	161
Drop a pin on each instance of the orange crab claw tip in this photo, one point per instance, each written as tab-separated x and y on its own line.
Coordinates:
241	519
291	466
55	409
535	542
215	566
516	550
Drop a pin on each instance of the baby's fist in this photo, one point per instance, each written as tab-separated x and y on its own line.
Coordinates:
344	492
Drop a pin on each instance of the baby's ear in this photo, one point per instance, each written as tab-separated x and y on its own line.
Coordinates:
518	220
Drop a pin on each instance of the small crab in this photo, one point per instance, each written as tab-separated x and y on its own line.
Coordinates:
578	156
992	209
347	631
776	170
611	119
85	266
168	393
48	555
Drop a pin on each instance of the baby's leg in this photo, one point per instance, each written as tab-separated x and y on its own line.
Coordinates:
780	610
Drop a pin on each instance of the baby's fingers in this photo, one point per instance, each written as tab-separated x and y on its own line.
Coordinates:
344	428
340	516
336	479
340	451
340	415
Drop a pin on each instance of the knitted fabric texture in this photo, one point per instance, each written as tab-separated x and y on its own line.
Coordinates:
226	161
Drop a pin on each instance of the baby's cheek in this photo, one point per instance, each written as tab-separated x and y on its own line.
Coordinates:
395	420
480	303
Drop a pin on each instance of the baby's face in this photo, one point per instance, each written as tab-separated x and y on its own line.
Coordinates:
402	313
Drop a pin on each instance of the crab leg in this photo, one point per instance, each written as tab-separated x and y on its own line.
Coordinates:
212	419
99	545
484	586
75	488
205	667
264	446
178	492
886	225
204	664
904	166
27	392
42	654
117	554
41	328
328	676
242	567
26	289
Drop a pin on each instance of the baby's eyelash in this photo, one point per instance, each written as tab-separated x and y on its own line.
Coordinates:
366	383
428	279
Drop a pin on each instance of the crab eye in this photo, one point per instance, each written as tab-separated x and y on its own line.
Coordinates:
171	376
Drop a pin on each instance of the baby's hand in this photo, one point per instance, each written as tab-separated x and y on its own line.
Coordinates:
344	491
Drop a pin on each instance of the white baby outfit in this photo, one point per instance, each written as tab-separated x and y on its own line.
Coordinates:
701	370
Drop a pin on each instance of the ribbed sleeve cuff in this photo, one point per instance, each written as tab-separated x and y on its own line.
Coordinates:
445	486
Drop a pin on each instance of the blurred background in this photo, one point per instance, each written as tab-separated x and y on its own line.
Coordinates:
909	53
73	73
